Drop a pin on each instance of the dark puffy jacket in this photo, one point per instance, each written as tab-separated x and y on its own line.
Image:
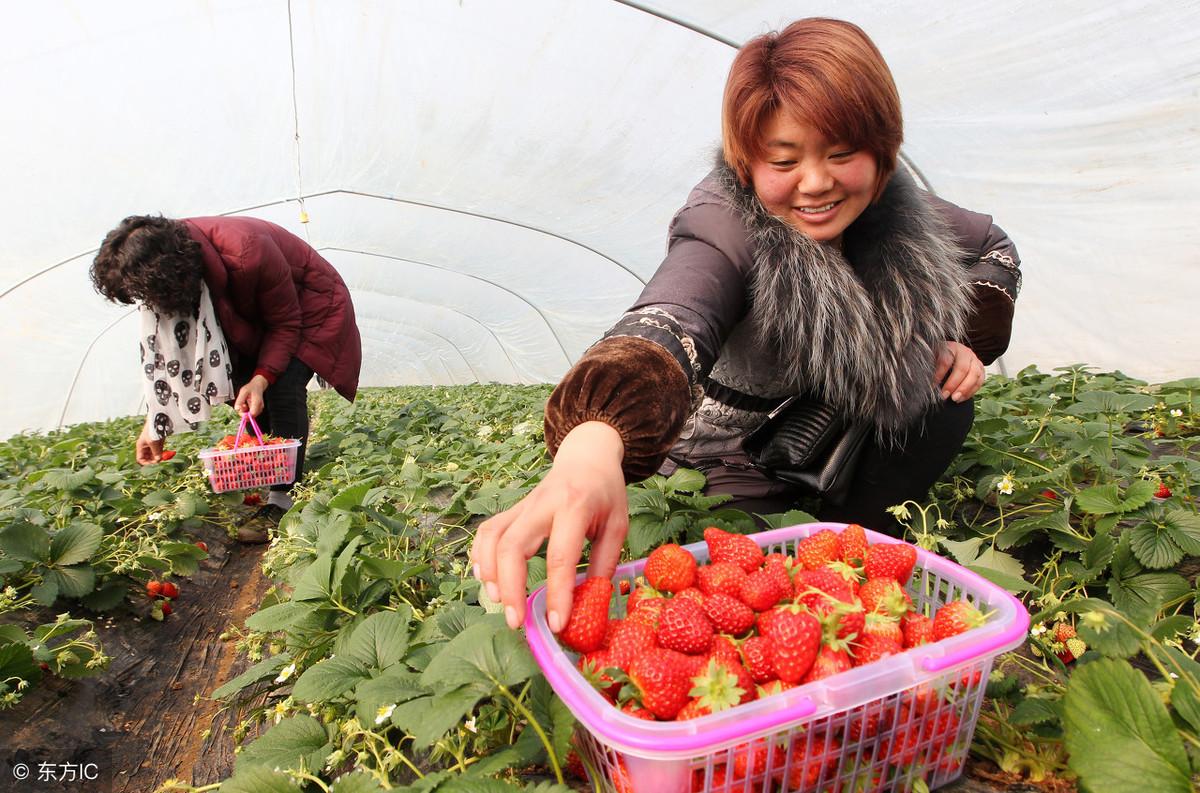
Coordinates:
277	298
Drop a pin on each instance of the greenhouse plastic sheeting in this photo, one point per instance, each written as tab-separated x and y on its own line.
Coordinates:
493	179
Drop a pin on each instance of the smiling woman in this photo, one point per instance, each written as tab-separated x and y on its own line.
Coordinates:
803	271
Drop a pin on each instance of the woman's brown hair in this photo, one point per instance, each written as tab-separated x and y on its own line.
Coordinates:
825	72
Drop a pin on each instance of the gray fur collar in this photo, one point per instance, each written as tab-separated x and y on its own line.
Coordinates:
862	336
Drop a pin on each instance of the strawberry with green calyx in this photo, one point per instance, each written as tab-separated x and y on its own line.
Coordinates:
1163	491
603	672
773	687
648	612
890	560
724	546
728	614
662	679
685	627
724	577
781	568
669	568
640	595
814	585
818	550
885	596
588	621
795	636
713	690
833	658
169	590
884	626
852	545
839	620
154	588
955	617
724	646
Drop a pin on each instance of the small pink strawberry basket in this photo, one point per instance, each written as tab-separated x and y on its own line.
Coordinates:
879	727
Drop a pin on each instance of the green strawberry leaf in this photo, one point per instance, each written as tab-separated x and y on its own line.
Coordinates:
1118	733
1184	528
381	639
76	543
296	740
268	667
329	678
259	779
25	542
1154	547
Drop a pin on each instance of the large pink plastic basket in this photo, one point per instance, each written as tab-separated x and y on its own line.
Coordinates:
250	466
814	735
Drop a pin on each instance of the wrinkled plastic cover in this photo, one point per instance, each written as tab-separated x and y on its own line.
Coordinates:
494	179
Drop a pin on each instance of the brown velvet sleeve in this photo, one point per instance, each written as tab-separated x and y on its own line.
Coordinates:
634	386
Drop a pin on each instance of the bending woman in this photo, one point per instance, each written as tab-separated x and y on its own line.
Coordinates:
232	308
804	264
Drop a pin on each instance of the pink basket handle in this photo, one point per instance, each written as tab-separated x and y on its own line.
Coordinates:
242	429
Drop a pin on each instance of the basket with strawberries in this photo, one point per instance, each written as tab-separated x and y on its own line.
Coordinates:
239	462
819	657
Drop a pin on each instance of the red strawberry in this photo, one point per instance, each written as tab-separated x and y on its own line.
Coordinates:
884	626
829	662
663	679
762	589
639	596
598	668
588	620
1050	494
627	639
890	560
865	724
918	629
1063	631
955	617
669	568
252	500
750	759
714	689
884	596
169	590
745	680
633	708
725	577
202	545
724	647
780	567
167	454
684	627
756	655
839	620
702	784
165	607
773	687
873	648
813	586
1163	491
724	546
648	611
852	544
154	588
728	614
808	763
624	586
818	550
691	593
795	639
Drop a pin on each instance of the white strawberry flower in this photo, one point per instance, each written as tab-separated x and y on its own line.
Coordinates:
1005	485
1176	412
384	713
285	673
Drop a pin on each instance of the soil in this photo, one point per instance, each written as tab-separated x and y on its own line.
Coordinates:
141	721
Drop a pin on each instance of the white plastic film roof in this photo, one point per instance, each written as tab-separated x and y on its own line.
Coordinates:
493	178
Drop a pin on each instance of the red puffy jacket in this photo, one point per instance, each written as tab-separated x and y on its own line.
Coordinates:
276	298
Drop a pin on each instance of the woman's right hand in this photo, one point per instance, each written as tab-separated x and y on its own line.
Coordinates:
582	497
149	450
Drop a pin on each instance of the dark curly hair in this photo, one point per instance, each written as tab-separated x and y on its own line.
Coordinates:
153	260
